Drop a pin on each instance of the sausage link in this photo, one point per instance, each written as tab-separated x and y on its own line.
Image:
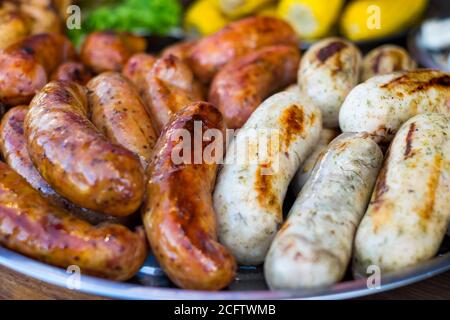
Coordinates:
32	226
72	71
25	66
314	246
328	72
383	103
181	50
408	215
179	217
110	50
237	39
171	86
240	87
118	111
75	158
251	187
13	146
386	59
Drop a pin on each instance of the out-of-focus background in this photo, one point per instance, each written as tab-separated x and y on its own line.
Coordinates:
421	25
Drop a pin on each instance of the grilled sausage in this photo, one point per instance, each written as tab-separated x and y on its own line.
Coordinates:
314	246
171	86
72	71
408	214
26	65
181	50
118	111
237	39
109	50
240	87
383	103
251	187
137	69
386	59
303	174
178	217
14	27
328	71
75	158
14	150
32	226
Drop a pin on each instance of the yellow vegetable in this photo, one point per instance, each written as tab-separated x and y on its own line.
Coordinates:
239	8
310	18
369	19
204	17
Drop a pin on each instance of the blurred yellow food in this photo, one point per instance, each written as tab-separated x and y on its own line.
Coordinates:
310	18
13	27
368	19
239	8
204	17
270	11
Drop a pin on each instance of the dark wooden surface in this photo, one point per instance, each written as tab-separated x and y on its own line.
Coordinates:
17	286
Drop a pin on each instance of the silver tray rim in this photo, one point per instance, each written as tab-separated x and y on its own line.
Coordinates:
129	291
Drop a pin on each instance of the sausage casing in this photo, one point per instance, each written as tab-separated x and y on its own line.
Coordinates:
314	246
251	188
383	103
240	87
75	158
328	72
32	226
237	39
118	111
25	66
179	217
110	50
72	71
408	214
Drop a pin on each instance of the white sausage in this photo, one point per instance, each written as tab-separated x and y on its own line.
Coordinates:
386	59
409	211
303	174
383	103
314	246
328	71
249	194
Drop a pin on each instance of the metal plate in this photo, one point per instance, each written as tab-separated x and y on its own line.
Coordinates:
150	282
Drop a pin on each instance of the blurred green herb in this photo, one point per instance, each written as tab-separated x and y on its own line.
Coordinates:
138	16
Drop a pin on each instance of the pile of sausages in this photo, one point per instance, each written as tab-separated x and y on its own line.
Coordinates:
87	146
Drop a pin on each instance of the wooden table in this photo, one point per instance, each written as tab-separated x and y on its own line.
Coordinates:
17	286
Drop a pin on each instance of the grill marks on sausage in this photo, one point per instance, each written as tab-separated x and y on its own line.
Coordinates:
408	150
396	57
416	81
293	124
266	193
432	187
381	186
331	49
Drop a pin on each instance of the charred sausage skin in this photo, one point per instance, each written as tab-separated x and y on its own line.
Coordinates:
75	158
178	216
29	224
72	71
240	87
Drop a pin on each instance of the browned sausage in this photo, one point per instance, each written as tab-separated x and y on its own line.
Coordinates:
73	71
171	86
26	65
181	50
110	50
14	150
32	226
137	69
118	111
236	40
75	158
178	216
240	87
